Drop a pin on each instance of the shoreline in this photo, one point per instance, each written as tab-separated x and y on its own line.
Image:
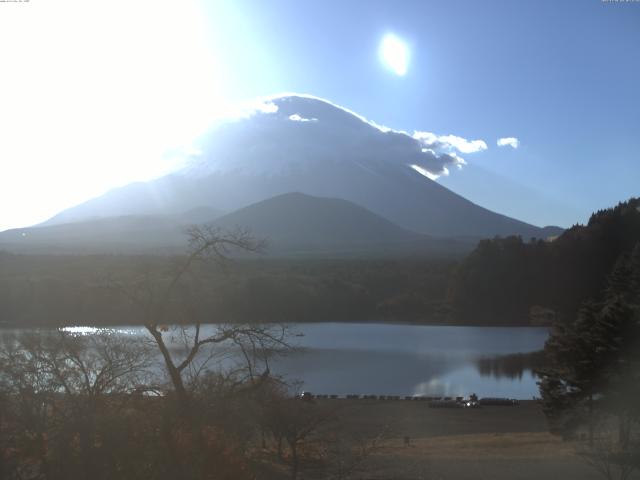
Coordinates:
38	325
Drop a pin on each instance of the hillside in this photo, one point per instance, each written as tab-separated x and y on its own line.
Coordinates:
504	278
296	223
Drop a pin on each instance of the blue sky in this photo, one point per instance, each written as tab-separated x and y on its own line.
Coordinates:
93	94
562	77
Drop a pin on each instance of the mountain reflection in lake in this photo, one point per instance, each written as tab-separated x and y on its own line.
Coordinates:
415	360
389	359
513	366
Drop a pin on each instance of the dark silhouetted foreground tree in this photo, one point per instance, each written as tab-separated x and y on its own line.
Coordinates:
172	310
594	372
63	396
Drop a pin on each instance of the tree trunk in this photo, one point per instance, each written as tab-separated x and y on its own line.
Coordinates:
624	430
174	374
294	460
591	428
3	474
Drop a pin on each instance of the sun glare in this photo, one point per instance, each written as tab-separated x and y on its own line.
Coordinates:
96	94
394	53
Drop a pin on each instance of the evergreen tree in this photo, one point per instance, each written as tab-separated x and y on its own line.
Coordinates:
595	361
577	354
503	278
622	312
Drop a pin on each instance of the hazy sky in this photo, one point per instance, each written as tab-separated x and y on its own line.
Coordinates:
93	94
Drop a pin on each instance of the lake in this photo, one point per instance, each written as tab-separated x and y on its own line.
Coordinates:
392	359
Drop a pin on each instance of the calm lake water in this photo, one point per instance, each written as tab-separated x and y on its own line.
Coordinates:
415	360
390	359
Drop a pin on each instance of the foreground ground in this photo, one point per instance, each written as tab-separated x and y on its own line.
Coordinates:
490	443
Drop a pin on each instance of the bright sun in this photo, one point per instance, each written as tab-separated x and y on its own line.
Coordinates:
95	94
394	53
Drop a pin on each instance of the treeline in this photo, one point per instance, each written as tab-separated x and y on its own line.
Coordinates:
509	280
96	290
506	281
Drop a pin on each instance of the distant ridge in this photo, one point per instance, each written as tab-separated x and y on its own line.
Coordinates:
293	224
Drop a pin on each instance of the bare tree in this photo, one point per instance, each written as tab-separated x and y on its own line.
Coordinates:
301	425
172	313
346	453
59	390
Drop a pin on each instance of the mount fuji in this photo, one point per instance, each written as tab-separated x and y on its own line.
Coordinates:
304	144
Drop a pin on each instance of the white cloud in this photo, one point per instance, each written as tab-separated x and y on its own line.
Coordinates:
449	143
512	142
431	176
443	150
462	144
297	118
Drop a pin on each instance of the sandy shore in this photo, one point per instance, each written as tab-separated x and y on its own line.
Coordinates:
490	443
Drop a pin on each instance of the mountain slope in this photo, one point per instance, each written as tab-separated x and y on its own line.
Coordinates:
296	219
311	146
300	224
119	234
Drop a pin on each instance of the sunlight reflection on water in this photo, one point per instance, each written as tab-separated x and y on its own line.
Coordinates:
80	330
